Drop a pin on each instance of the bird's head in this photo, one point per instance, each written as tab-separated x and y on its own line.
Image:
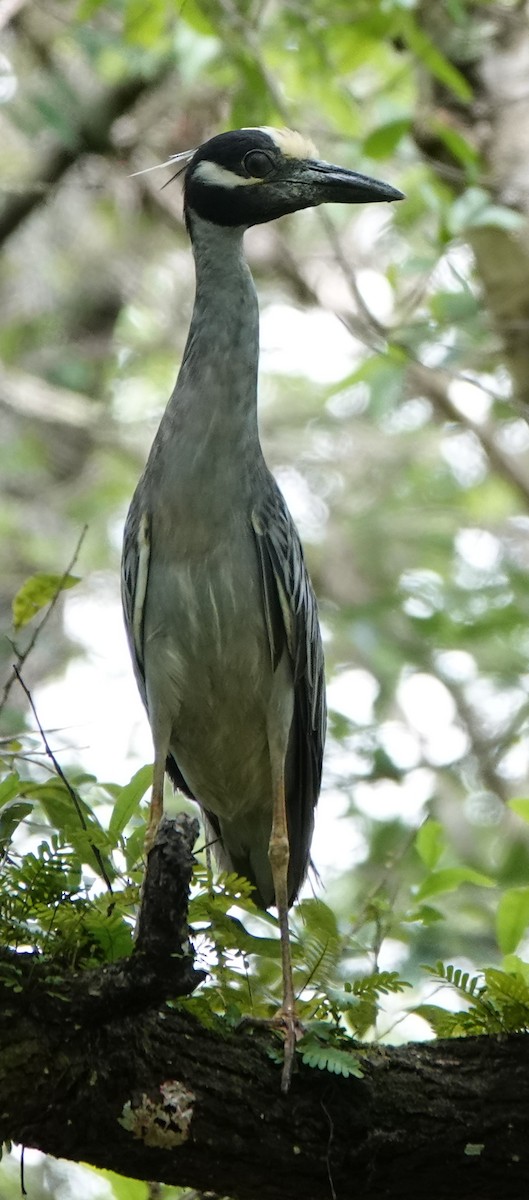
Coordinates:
249	176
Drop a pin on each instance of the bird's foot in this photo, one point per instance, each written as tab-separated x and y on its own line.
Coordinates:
289	1024
150	835
155	816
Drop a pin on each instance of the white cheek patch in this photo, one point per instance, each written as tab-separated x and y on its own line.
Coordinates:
210	172
290	143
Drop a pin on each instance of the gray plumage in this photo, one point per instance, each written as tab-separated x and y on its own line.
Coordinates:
229	617
220	613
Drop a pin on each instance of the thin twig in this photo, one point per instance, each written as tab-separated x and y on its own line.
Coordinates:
22	1180
24	654
374	328
59	771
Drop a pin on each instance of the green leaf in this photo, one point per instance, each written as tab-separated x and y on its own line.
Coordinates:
433	60
145	23
465	210
520	806
379	982
318	918
194	14
382	142
230	933
331	1058
514	965
36	592
430	843
67	815
454	306
11	816
425	913
128	800
13	809
62	811
111	932
512	918
134	849
504	986
473	210
450	879
9	787
499	216
457	144
447	1024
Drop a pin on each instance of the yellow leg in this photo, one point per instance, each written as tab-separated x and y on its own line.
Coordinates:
279	854
156	809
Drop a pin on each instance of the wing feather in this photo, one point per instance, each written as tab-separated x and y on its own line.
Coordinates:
134	581
291	616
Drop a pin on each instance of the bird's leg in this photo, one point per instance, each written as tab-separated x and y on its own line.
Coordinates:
156	807
279	854
161	736
155	816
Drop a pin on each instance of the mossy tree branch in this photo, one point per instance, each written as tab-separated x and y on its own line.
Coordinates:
96	1066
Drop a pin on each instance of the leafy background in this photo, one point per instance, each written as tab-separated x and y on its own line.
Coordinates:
393	410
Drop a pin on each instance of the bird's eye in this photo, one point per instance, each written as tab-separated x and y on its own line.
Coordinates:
258	163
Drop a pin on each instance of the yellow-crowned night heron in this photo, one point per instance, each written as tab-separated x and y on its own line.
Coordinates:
220	613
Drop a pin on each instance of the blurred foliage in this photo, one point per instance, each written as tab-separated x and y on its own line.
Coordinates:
393	411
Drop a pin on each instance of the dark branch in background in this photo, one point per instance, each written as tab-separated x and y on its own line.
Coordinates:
92	135
9	9
123	1080
375	333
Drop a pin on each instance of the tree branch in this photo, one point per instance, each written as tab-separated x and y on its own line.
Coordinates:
124	1080
92	135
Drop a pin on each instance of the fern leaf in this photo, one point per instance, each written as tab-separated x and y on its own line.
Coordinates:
503	986
326	1057
379	982
321	956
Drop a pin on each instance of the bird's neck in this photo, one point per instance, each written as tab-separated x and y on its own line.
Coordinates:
207	451
218	377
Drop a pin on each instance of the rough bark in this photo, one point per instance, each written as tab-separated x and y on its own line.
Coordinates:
98	1067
